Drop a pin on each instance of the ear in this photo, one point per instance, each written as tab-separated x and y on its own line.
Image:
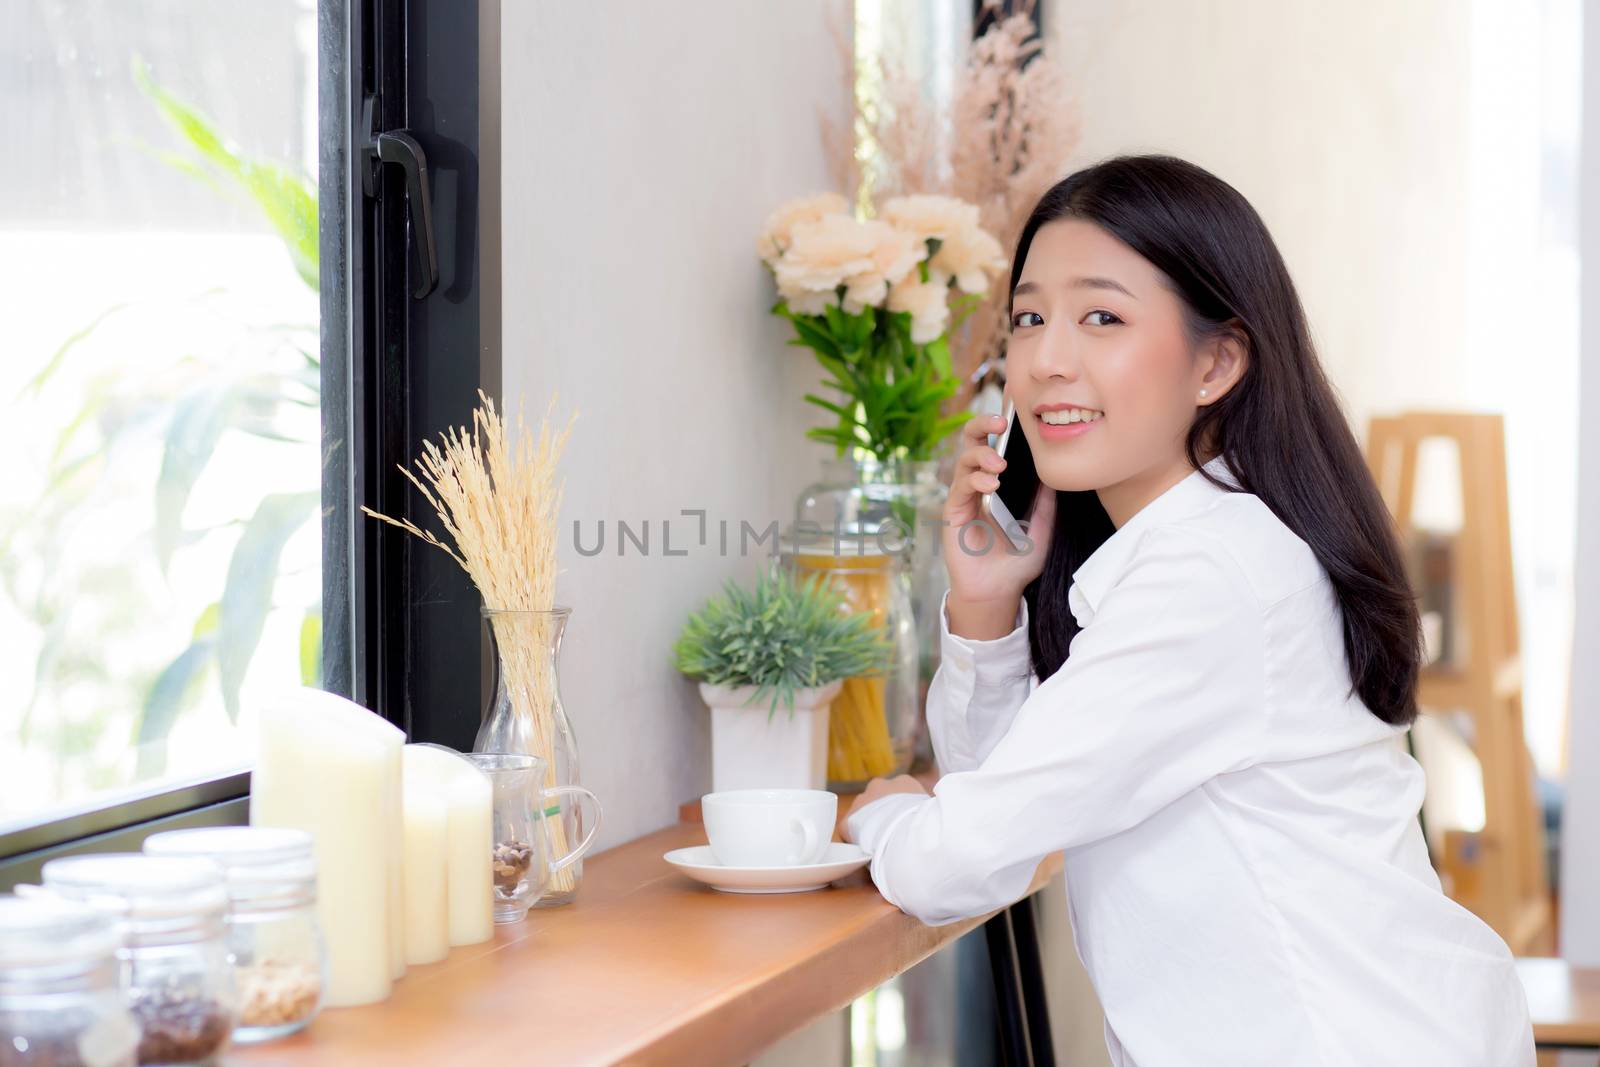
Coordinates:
1222	364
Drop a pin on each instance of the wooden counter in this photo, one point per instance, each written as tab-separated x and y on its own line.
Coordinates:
645	966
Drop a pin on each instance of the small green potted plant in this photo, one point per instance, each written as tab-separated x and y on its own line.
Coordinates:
793	639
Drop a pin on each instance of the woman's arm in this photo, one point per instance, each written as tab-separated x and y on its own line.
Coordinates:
1164	690
971	701
976	691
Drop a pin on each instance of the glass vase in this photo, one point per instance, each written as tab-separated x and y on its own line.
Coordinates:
896	507
527	716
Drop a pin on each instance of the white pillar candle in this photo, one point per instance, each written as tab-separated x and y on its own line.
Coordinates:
328	766
427	902
470	797
394	777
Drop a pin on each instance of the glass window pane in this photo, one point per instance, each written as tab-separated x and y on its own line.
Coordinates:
158	256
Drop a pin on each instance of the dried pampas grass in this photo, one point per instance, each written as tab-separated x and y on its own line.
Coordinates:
1010	130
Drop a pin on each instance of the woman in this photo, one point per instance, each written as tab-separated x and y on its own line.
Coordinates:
1197	678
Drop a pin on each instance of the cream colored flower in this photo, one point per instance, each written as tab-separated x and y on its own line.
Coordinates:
776	233
928	216
895	253
970	256
808	301
927	303
823	253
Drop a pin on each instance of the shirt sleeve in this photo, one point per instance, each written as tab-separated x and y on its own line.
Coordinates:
1163	690
976	691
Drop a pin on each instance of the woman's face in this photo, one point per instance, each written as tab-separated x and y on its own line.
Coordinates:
1103	376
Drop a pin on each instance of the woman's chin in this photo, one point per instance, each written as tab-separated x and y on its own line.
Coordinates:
1069	475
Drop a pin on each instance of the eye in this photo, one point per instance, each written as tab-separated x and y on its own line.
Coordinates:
1015	324
1107	314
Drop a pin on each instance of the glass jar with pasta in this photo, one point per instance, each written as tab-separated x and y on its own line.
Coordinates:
872	722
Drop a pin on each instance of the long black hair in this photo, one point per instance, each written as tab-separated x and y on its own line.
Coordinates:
1279	429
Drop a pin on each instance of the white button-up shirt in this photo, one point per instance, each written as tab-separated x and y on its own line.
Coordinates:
1248	880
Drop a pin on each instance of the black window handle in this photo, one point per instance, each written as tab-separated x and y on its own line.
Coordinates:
399	147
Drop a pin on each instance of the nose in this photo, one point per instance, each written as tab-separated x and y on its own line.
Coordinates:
1054	359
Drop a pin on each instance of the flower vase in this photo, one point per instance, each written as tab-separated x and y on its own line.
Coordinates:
527	716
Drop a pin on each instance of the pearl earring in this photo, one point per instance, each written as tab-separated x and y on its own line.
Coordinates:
1203	394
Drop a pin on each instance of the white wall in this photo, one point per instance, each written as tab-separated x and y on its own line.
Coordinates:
643	146
1580	913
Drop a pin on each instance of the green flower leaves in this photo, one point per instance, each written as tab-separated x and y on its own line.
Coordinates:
890	388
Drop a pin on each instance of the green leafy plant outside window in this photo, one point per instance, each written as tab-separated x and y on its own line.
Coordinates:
249	397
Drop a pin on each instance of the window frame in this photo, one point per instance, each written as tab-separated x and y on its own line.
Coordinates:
390	378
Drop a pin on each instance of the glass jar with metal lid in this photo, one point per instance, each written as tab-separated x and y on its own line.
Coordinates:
60	1003
274	940
175	974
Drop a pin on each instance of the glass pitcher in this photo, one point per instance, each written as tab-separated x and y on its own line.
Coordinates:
523	830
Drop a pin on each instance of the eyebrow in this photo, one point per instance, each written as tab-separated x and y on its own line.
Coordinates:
1077	283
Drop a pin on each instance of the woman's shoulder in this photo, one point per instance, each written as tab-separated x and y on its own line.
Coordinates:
1239	527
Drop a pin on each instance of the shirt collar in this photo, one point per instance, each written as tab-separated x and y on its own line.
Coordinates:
1105	565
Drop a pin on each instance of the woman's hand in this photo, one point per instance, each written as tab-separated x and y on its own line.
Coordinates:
988	574
881	787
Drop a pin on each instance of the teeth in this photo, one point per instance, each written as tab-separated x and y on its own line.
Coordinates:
1067	416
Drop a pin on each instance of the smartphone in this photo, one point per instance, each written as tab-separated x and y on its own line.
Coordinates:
1019	482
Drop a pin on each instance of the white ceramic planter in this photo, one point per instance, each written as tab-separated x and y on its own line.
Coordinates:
751	751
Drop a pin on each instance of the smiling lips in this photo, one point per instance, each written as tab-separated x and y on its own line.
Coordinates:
1057	423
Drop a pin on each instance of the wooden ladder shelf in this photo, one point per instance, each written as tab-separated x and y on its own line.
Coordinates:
1499	873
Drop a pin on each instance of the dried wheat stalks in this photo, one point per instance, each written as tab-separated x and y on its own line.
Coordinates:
496	496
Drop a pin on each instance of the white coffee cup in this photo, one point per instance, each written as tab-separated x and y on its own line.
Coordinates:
769	827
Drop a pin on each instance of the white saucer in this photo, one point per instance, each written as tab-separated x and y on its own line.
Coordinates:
701	864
